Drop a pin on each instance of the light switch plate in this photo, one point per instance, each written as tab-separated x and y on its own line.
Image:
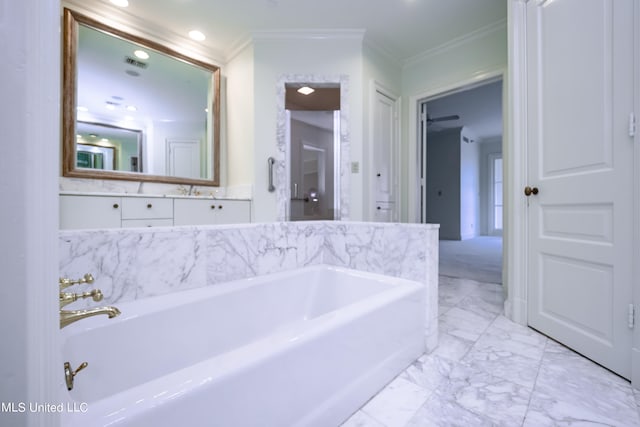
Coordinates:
355	167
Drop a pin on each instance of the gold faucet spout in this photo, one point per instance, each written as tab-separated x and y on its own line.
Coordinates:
67	317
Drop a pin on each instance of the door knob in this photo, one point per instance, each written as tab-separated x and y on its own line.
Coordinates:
529	191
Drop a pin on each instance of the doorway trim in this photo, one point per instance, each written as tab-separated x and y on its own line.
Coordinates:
513	252
282	172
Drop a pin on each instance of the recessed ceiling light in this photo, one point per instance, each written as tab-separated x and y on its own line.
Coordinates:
196	35
132	108
206	110
80	108
121	3
141	54
104	140
128	118
111	107
306	90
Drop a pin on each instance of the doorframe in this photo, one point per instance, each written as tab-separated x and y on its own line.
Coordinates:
517	274
512	261
375	87
635	350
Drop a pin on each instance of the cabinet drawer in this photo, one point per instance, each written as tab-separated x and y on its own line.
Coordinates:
207	212
77	212
131	223
146	208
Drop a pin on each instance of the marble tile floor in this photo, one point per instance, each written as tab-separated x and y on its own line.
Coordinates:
489	371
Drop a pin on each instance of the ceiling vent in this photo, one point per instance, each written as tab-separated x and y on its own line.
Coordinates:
136	63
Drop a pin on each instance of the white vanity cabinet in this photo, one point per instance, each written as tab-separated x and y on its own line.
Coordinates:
90	212
81	211
211	211
147	212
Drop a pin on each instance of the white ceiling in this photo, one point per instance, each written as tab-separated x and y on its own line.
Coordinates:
402	28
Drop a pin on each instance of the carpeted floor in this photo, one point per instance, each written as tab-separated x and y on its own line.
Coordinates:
479	258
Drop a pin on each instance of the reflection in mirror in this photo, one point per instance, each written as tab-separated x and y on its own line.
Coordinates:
314	146
120	148
157	109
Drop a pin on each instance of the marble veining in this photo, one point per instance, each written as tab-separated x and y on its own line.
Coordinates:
489	371
137	263
283	192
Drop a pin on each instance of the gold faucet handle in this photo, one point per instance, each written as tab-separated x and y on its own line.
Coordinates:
68	297
69	374
65	282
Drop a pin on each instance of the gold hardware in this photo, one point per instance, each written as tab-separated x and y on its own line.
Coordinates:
68	297
65	283
67	317
69	375
529	191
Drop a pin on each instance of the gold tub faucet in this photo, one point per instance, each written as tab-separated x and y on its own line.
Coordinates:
69	316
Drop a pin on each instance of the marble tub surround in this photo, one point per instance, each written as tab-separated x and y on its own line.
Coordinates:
129	264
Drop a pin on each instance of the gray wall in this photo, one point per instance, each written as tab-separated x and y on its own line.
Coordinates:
443	182
453	183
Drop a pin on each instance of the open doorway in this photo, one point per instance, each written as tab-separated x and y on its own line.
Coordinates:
461	178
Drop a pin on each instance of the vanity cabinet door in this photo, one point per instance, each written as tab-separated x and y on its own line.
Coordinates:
210	212
233	211
147	208
78	212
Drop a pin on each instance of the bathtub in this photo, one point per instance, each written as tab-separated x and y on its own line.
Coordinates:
301	348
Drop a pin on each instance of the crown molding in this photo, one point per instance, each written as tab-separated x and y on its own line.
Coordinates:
123	20
458	41
309	34
381	50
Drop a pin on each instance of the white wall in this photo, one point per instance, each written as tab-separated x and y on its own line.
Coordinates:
31	368
469	185
277	55
466	61
237	148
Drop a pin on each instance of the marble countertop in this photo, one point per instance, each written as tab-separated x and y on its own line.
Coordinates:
172	196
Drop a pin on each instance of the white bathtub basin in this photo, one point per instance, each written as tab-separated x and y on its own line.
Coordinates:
306	347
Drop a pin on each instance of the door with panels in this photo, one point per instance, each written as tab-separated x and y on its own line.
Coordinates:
385	157
580	169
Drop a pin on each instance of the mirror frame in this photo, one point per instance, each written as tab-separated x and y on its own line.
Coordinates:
72	20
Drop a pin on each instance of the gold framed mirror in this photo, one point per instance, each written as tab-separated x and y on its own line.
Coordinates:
115	80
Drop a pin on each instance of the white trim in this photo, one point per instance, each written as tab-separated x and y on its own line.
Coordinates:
635	353
31	370
309	34
375	87
124	20
515	164
456	42
413	184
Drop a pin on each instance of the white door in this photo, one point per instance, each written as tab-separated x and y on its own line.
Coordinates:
385	152
183	158
580	95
